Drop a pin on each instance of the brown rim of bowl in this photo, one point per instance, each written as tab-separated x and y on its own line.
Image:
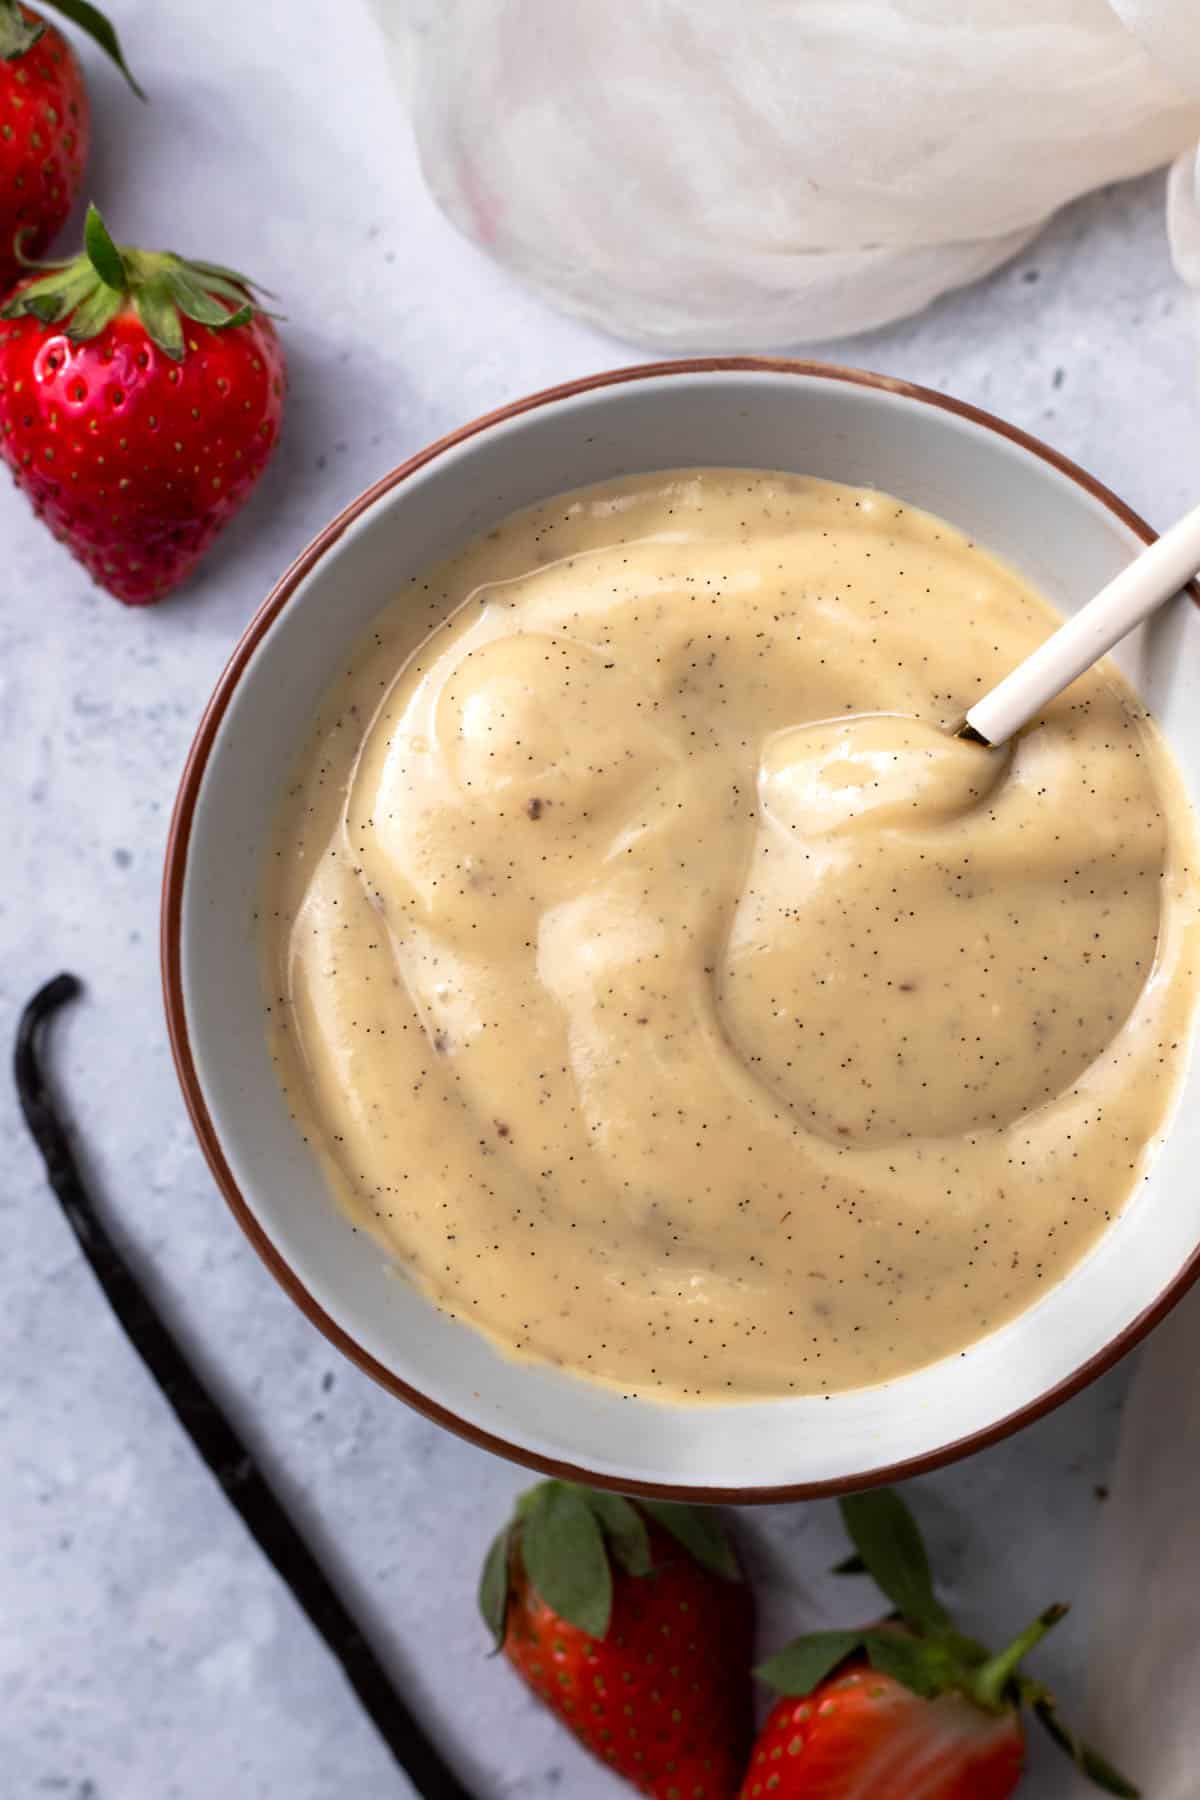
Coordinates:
171	949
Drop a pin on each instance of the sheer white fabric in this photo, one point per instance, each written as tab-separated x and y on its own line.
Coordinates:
1144	1658
746	173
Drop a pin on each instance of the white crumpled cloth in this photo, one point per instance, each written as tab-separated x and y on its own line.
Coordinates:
738	174
1144	1662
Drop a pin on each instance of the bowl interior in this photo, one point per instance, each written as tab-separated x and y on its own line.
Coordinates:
1056	531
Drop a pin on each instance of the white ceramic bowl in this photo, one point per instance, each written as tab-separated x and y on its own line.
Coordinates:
1047	518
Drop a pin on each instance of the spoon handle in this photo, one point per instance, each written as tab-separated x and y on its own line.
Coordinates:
1154	576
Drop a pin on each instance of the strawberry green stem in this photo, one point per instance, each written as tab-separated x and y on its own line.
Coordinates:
86	293
989	1684
18	33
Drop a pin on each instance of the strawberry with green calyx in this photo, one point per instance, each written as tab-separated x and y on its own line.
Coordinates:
141	396
909	1709
44	124
632	1623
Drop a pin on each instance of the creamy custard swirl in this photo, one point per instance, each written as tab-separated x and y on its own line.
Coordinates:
673	995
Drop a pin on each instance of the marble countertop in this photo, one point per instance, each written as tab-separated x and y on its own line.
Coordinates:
146	1650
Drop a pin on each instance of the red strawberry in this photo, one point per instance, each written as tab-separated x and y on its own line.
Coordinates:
910	1709
44	124
140	398
861	1735
864	1736
633	1625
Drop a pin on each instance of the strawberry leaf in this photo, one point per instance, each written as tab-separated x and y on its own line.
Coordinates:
217	284
53	296
92	314
193	302
700	1532
624	1528
90	19
493	1586
18	33
218	271
925	1666
1101	1773
885	1534
565	1557
971	1654
1096	1767
47	309
156	309
803	1665
164	290
102	253
242	316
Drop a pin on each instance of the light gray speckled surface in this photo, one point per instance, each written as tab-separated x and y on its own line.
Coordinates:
145	1650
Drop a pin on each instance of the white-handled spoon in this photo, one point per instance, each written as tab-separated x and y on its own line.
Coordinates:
1150	579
